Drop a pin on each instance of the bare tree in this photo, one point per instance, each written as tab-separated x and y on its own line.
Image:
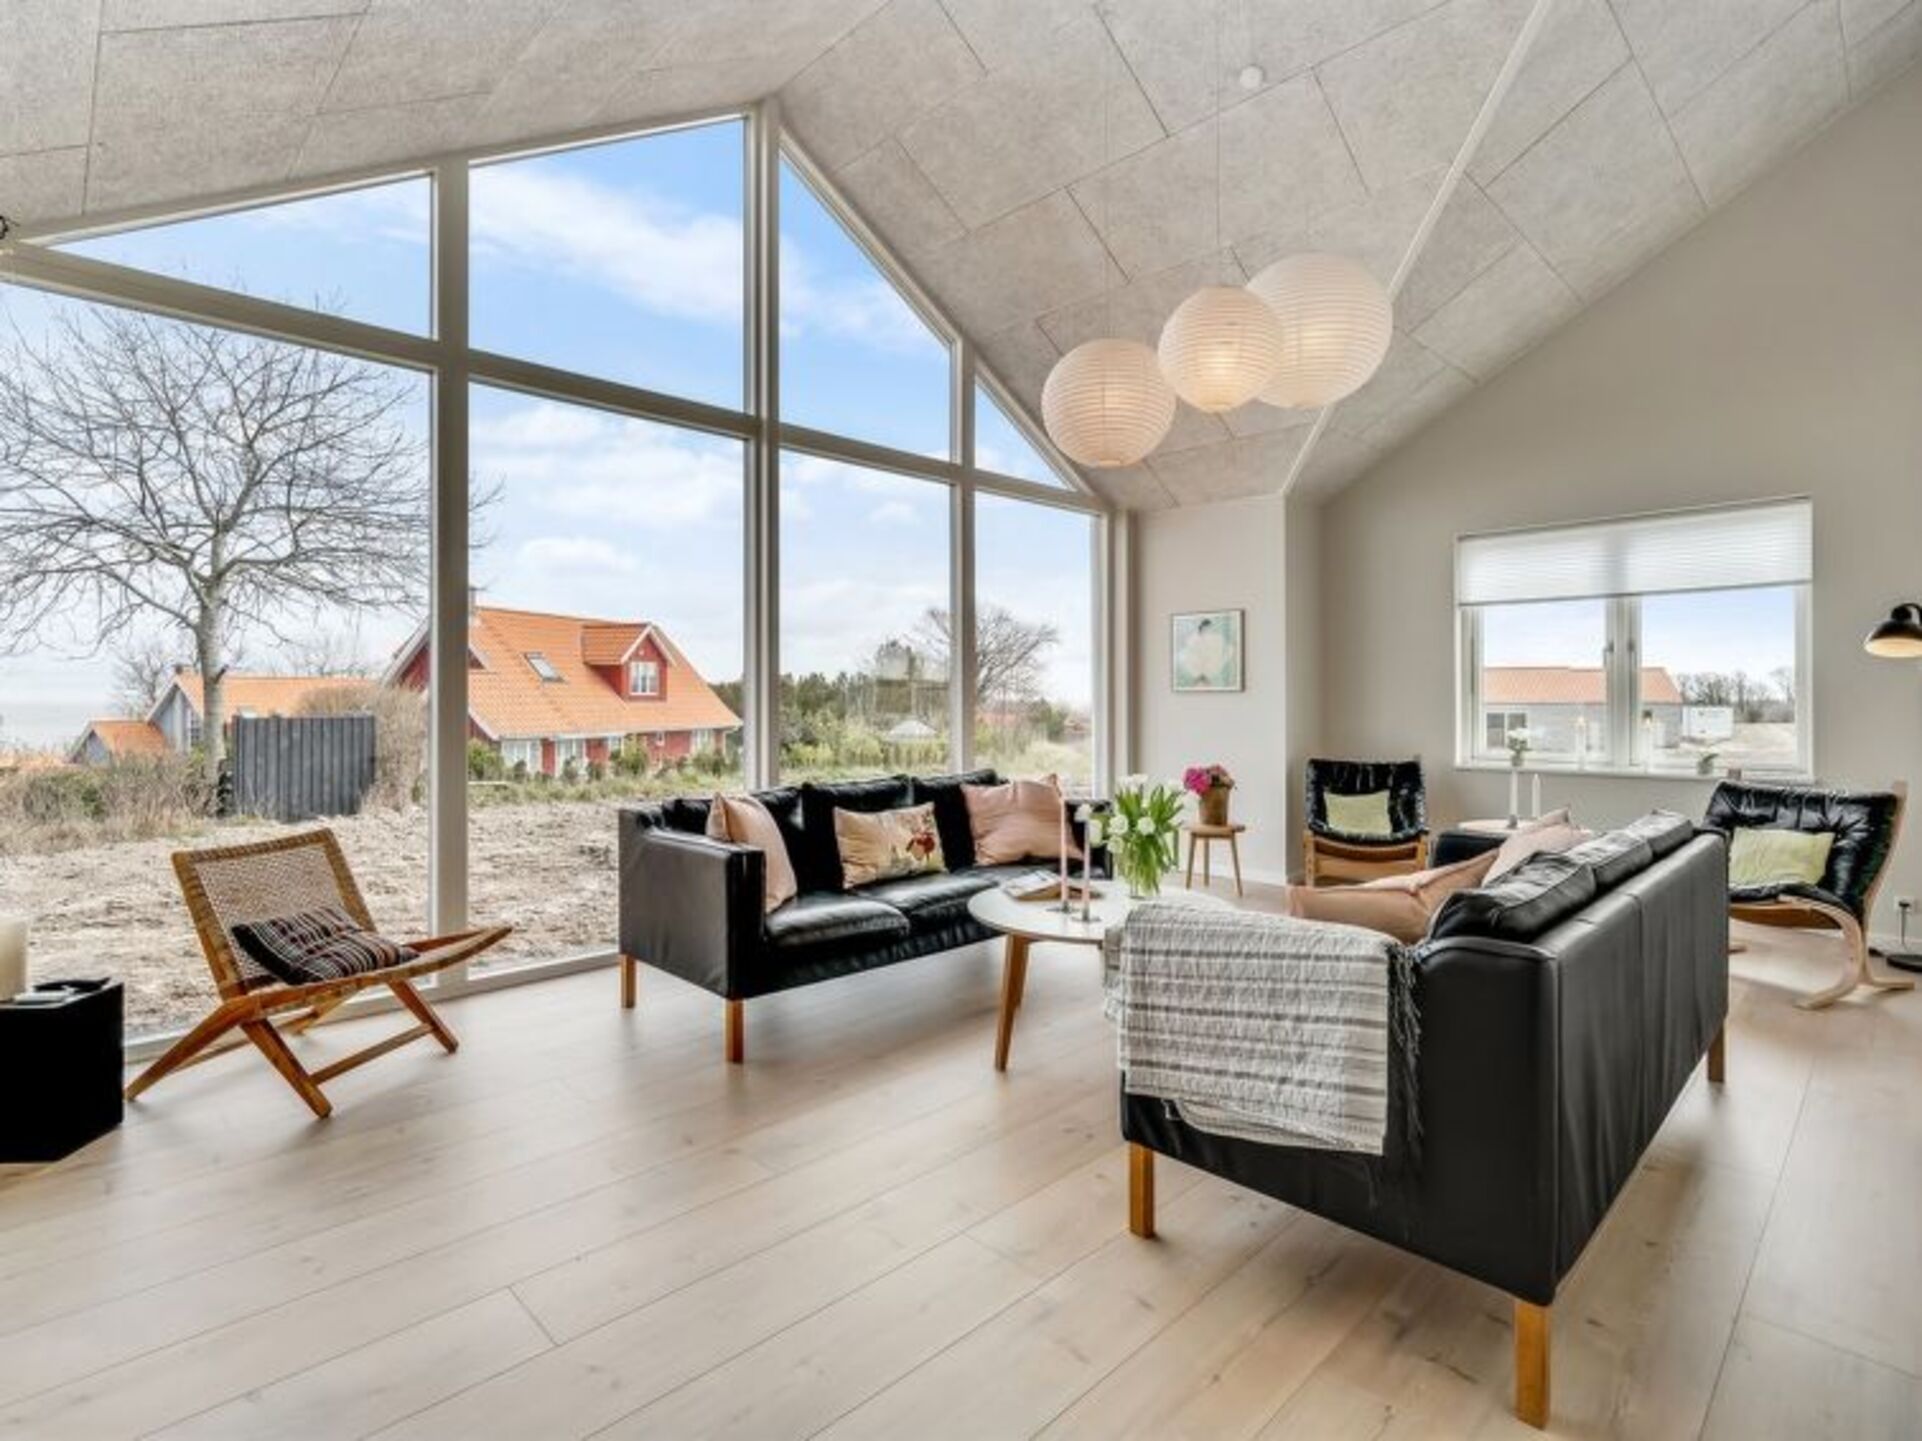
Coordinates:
219	483
1008	652
141	670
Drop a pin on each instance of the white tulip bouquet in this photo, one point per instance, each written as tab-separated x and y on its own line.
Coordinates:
1141	832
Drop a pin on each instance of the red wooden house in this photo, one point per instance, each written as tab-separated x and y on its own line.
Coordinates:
546	690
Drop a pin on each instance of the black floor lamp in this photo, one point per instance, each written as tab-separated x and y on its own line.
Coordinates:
1900	638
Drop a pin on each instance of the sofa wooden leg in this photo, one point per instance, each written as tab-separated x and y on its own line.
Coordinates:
736	1032
1141	1190
630	981
1531	1363
1718	1056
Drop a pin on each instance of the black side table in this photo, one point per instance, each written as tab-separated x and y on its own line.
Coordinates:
60	1073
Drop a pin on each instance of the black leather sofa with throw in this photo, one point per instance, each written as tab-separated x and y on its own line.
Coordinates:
692	905
1562	1010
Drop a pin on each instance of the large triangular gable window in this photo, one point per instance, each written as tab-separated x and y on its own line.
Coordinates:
856	358
364	253
1000	446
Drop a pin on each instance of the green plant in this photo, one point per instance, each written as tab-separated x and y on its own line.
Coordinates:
484	762
1142	832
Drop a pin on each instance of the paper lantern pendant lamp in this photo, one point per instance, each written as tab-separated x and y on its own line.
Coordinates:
1336	322
1106	403
1220	347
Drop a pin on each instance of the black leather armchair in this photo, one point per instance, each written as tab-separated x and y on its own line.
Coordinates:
1866	826
1331	856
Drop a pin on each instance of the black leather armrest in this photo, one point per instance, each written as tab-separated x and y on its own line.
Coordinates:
1454	846
691	906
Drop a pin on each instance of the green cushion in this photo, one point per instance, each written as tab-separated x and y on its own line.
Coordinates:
1359	815
1768	857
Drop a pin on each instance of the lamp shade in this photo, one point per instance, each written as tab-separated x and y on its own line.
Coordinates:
1220	347
1900	636
1106	403
1336	322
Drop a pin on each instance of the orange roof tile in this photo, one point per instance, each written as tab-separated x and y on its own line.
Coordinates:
607	643
263	694
1567	685
128	737
507	698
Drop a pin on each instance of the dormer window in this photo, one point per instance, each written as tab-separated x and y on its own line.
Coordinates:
543	667
643	677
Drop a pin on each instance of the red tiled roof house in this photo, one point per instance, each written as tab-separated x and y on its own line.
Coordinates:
549	689
1546	700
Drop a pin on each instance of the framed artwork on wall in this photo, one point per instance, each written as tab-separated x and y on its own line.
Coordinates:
1206	651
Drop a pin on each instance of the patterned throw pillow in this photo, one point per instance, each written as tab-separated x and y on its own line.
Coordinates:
886	845
325	944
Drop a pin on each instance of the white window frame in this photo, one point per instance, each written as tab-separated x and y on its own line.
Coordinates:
638	668
521	752
447	358
1623	750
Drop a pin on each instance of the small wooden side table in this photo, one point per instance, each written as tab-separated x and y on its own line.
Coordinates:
1205	837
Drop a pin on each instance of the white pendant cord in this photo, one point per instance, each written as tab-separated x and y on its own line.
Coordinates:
1464	156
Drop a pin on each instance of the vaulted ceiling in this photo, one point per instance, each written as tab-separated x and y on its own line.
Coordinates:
1046	168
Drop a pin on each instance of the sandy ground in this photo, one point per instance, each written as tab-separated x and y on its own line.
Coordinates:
546	868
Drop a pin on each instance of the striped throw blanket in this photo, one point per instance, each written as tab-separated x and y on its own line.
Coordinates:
1262	1027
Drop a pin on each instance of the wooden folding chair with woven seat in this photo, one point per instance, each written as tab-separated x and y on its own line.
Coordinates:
238	885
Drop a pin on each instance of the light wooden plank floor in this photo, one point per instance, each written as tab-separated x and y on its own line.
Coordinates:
586	1224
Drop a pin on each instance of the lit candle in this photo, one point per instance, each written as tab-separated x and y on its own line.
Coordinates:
1581	742
13	956
1535	793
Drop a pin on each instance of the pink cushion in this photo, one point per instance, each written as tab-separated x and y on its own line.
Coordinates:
1546	835
1016	821
746	822
1398	906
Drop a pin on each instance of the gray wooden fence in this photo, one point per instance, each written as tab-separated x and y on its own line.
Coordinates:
292	768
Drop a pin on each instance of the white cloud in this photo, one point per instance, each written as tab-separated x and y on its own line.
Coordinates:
573	554
668	257
575	462
893	512
663	256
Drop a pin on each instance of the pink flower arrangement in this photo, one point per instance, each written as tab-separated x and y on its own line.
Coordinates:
1202	779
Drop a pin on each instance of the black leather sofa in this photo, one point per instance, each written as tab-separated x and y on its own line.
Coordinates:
1562	1010
693	906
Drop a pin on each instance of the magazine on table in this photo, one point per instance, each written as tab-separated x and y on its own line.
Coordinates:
1040	885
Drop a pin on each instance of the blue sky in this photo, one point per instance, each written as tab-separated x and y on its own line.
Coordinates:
1748	630
625	261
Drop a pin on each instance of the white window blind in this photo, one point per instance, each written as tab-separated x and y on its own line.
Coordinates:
1719	549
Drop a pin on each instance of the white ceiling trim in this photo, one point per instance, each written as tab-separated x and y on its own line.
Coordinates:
1464	157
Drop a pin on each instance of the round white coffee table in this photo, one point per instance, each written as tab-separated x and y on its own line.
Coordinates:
1025	922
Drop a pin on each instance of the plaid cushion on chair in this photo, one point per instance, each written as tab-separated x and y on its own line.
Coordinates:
325	944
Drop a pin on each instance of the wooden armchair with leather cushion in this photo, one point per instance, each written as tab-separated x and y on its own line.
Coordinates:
1865	826
1335	854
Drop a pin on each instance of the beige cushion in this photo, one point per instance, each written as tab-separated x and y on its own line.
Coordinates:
1399	906
746	822
1552	832
1767	857
886	845
1016	821
1358	815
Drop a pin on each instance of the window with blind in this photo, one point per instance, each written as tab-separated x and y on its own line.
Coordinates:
1674	642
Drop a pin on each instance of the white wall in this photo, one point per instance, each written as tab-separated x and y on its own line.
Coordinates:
1218	557
1777	350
